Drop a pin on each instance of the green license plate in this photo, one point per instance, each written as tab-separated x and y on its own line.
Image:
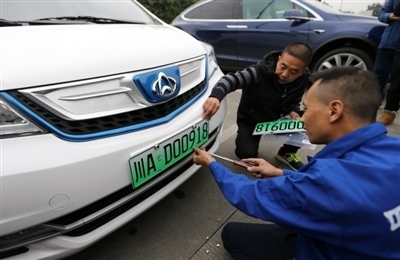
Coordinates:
150	163
279	127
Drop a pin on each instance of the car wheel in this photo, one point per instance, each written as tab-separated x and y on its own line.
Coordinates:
344	57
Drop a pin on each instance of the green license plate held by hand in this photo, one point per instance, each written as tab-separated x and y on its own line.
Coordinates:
154	161
279	127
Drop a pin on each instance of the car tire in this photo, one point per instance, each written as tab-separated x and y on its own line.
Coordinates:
346	57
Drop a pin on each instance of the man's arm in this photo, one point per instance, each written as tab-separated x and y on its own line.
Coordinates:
242	79
386	15
290	200
251	197
294	106
275	199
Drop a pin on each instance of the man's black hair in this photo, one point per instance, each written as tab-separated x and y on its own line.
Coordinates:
358	89
300	51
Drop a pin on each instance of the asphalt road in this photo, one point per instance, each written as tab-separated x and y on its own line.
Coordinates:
187	223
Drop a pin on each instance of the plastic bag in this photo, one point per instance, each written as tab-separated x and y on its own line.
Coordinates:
295	139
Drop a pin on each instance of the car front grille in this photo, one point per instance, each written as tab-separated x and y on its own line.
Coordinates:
111	122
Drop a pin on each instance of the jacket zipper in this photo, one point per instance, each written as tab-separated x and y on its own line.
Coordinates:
293	90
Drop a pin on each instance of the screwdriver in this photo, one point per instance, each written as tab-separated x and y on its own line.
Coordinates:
235	162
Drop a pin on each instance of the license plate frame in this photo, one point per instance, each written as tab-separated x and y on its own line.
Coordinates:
150	163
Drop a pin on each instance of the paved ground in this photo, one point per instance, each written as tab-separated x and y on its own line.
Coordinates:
188	222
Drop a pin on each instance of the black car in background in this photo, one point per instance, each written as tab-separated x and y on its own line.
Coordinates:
243	31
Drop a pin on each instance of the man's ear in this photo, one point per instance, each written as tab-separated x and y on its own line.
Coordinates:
336	109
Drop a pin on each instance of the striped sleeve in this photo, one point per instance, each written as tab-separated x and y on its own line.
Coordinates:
242	79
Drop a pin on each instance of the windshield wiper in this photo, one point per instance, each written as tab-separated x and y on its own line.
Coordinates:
92	19
4	22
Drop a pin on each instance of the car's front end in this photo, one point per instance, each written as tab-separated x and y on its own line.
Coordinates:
98	122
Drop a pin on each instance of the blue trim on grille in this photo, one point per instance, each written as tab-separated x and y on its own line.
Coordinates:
108	133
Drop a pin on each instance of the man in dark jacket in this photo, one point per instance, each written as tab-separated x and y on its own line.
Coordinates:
271	89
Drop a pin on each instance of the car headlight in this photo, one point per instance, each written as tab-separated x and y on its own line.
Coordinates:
13	123
212	59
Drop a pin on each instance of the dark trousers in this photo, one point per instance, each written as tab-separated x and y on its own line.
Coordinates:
393	93
259	241
247	144
382	67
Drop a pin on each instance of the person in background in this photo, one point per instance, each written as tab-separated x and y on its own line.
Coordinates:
389	42
393	93
343	204
272	88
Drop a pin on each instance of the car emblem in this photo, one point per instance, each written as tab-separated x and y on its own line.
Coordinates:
164	86
159	85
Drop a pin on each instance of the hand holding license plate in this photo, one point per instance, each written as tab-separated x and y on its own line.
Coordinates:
150	163
279	127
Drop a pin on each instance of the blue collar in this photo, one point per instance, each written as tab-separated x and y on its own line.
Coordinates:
347	142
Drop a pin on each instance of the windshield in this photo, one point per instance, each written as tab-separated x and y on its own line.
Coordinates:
29	10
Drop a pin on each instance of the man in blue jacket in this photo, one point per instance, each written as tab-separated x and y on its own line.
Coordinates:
389	43
343	204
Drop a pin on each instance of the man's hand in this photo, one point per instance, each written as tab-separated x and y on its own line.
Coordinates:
293	115
210	107
262	168
393	17
201	157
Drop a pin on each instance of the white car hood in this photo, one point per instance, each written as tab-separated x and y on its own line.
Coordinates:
49	54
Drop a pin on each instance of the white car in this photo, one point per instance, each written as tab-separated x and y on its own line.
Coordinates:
101	107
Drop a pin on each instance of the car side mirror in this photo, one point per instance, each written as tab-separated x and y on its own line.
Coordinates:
294	14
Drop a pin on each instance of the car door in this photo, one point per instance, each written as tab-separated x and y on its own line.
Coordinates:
213	22
263	29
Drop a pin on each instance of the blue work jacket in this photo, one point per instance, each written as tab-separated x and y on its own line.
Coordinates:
344	204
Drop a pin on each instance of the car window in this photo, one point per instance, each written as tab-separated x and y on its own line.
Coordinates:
29	10
324	7
269	9
213	10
